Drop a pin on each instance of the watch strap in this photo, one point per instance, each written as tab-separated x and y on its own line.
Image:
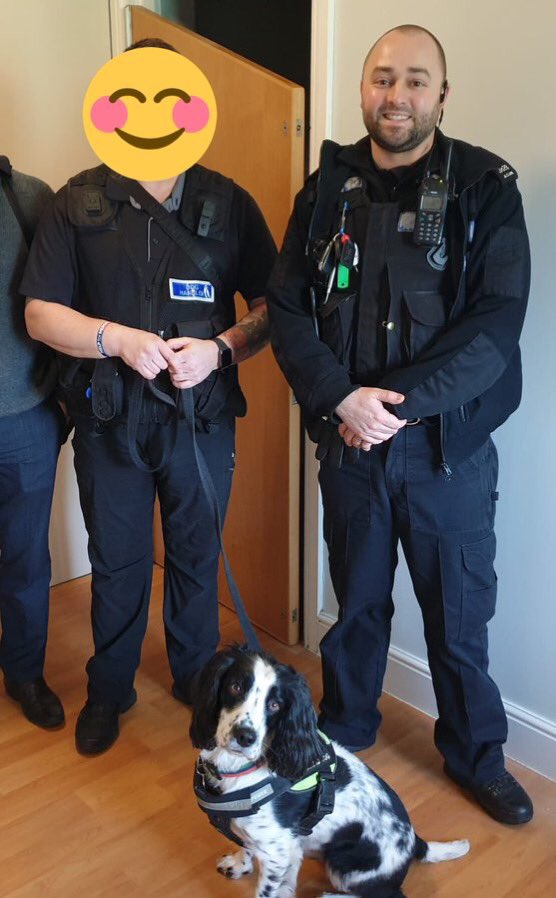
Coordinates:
225	355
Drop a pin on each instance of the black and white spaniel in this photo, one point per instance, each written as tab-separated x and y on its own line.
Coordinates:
253	719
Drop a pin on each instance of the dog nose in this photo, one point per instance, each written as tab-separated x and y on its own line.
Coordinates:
245	735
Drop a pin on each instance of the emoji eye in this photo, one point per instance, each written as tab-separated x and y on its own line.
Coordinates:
127	92
171	92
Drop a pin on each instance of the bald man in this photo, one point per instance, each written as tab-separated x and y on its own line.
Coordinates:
396	307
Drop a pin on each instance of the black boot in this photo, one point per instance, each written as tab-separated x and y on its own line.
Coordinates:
502	798
39	704
98	725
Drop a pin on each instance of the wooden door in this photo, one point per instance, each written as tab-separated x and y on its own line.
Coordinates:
258	143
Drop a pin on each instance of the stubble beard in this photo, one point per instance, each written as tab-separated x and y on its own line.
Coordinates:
422	128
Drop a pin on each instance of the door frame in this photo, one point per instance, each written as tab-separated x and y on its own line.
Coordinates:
120	21
317	621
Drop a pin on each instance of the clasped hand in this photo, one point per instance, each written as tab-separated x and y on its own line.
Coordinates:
192	361
188	360
365	420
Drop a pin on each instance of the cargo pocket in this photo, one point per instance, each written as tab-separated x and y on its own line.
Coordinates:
424	321
478	586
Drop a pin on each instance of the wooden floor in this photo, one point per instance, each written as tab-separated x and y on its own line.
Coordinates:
125	824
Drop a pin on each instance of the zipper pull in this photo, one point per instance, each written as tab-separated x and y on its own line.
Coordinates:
446	470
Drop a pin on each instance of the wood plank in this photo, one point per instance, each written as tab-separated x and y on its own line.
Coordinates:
126	823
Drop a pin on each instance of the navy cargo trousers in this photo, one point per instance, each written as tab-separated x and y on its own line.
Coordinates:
117	500
397	492
29	446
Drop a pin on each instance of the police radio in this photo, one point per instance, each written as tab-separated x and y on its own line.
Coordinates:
432	201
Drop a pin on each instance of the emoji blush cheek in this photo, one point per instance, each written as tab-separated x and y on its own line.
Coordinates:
191	116
107	116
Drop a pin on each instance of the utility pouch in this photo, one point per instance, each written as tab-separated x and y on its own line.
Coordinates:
107	390
330	448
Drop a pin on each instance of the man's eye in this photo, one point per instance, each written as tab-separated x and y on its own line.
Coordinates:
235	688
273	705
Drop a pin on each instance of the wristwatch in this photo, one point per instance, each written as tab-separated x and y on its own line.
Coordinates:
225	354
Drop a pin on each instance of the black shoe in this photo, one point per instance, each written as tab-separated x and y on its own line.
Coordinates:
39	704
98	725
502	798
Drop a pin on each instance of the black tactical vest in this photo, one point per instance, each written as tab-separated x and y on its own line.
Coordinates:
398	300
188	291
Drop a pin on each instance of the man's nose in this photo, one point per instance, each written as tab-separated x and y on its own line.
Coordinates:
396	93
244	734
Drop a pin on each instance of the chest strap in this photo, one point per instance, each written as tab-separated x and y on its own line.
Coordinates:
221	809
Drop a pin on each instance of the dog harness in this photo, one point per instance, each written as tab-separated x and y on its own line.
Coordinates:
320	779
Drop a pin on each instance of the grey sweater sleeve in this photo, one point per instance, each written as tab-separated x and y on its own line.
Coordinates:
28	371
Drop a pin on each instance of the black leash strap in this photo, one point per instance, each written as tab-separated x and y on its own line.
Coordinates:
210	493
177	232
185	401
136	394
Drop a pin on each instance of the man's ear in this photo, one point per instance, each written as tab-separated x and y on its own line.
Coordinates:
445	90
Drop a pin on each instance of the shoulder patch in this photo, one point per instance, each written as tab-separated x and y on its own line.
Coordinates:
506	173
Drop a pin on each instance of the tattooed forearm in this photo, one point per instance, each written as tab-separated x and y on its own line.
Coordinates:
250	334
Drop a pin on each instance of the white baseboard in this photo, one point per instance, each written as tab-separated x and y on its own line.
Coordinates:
531	739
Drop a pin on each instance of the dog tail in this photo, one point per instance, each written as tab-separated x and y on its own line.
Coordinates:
433	852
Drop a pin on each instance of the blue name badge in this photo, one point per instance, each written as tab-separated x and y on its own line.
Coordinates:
194	291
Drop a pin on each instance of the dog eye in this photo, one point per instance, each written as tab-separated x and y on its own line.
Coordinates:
235	688
273	705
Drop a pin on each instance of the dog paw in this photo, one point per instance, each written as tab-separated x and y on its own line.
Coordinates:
234	866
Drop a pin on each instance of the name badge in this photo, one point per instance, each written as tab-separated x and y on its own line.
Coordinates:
196	291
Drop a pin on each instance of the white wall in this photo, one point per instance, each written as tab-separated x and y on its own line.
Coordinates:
49	51
502	70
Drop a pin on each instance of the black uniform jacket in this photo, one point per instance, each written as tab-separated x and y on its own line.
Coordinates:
471	373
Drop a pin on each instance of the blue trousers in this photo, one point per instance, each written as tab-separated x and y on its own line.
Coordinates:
117	500
29	445
397	492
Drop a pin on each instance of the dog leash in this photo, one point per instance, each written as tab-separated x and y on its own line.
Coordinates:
210	493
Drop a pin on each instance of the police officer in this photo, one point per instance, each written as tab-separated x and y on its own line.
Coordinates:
137	281
31	424
396	307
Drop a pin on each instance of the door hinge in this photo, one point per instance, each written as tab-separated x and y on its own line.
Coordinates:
294	615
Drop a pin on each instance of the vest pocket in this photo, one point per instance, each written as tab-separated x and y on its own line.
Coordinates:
424	320
337	325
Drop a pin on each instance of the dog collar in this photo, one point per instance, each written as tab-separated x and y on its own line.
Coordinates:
230	774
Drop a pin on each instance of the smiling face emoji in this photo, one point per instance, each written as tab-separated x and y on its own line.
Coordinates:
149	114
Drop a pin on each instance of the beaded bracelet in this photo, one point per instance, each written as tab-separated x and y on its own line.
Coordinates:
100	345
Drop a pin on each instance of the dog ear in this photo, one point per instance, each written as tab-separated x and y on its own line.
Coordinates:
296	743
206	706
